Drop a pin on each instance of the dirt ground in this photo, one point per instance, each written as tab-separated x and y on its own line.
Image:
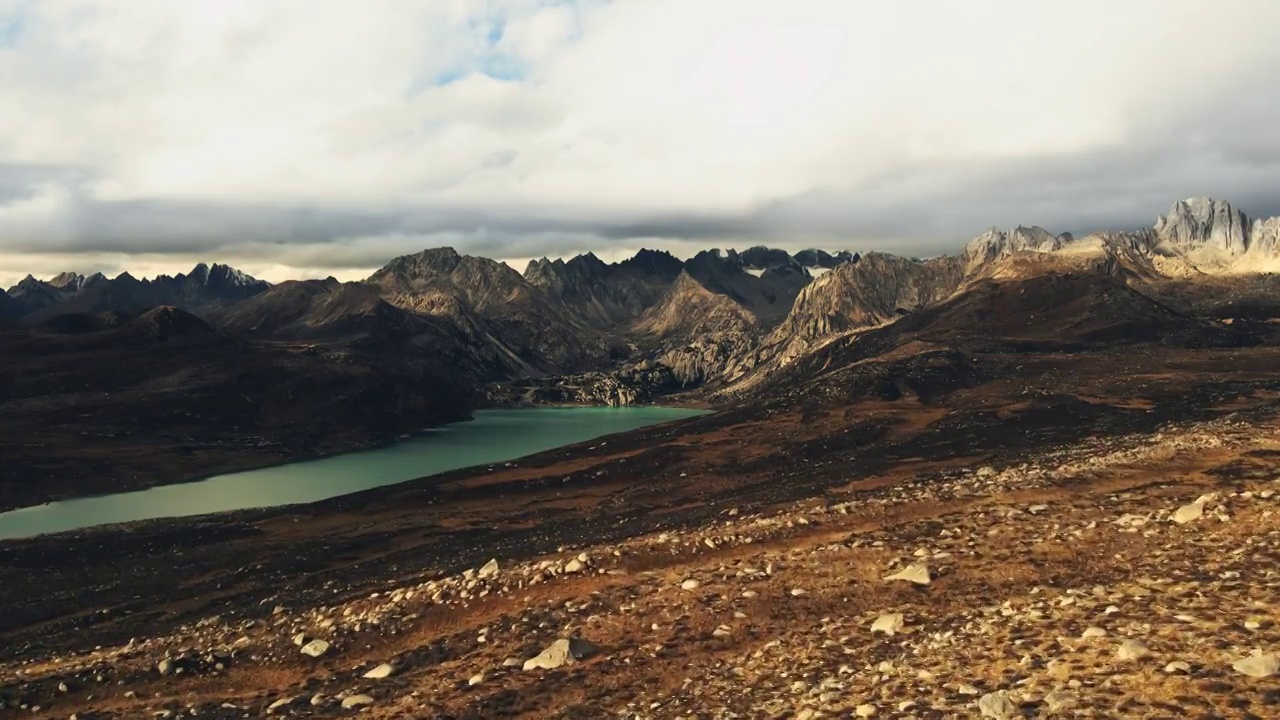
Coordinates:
726	566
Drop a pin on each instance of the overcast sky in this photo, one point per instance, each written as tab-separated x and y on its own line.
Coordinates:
323	137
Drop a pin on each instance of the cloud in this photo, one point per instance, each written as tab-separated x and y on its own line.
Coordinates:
299	134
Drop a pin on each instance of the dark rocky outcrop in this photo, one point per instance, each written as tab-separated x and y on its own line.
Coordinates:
497	304
814	258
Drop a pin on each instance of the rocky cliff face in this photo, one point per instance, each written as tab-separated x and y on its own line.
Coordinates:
1264	237
605	295
1203	222
503	308
996	244
876	289
699	334
355	315
767	296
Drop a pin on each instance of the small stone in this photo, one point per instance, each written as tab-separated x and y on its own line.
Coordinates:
475	679
561	652
488	570
165	667
573	566
797	592
315	648
282	702
997	705
1188	513
385	670
1060	700
300	639
917	573
690	584
1258	666
865	711
888	623
319	699
355	701
1177	666
1131	650
1093	632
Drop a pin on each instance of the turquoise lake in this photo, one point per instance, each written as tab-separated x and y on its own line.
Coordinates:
494	436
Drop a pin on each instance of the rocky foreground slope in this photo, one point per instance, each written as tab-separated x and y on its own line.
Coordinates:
1129	576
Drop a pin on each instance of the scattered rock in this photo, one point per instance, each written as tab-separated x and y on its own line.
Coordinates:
690	584
355	701
488	570
1258	666
315	648
475	679
1188	513
166	666
997	705
561	652
917	573
865	711
888	623
1060	700
1132	650
385	670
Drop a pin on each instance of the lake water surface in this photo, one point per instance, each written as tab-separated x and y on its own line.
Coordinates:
493	436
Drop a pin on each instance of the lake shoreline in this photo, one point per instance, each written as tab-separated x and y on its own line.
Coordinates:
320	478
228	457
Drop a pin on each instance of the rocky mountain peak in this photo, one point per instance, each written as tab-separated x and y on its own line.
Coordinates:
588	262
430	263
27	284
654	262
227	277
1204	222
200	273
68	281
761	257
995	244
816	258
1264	236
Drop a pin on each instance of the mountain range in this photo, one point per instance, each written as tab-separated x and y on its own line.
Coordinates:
434	334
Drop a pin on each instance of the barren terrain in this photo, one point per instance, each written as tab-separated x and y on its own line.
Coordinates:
732	565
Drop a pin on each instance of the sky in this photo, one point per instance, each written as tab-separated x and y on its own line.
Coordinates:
307	138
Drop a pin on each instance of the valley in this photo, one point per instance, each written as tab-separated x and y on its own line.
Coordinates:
1067	445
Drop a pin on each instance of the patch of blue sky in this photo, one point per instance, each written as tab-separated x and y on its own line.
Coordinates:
11	30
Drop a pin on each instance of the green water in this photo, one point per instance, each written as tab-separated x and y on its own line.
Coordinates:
494	436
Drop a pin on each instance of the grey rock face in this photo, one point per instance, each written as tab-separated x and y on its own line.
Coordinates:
1264	237
1200	222
878	288
995	244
